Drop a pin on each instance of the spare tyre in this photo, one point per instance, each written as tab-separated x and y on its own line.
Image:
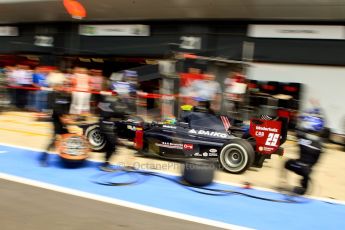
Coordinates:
198	172
73	149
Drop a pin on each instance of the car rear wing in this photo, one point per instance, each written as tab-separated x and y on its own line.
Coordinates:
269	134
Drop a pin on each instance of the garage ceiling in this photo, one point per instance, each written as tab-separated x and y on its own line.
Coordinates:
12	11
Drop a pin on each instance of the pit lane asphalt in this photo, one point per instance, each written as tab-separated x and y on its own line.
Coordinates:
31	208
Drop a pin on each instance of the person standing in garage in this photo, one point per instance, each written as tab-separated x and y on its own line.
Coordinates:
80	92
207	92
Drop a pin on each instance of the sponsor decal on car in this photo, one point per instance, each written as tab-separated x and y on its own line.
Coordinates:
197	155
169	126
188	146
193	131
208	133
210	153
169	145
268	149
267	129
259	134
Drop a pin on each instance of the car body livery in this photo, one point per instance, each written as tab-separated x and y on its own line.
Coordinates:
203	135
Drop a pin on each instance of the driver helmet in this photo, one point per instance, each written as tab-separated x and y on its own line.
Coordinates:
187	107
170	120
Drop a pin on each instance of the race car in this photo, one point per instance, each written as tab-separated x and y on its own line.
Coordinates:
233	144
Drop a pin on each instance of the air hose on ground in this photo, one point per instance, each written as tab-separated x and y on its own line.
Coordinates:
189	180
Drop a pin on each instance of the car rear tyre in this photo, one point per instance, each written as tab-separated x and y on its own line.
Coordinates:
95	138
237	156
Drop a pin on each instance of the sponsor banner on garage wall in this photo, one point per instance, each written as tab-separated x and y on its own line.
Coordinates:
190	43
114	30
8	31
296	31
44	41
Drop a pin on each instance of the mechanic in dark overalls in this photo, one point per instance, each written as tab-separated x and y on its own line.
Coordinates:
59	102
111	109
309	132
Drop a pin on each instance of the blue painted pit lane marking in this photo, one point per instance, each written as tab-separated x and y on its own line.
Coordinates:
162	194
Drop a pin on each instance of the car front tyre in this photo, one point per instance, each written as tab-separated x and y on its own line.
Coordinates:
95	138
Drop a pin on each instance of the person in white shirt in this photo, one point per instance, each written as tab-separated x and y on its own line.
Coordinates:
208	91
235	91
55	77
80	92
11	82
23	78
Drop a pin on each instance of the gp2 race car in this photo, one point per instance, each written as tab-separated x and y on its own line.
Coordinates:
203	135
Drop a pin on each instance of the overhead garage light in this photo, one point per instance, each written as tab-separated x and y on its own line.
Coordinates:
75	9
